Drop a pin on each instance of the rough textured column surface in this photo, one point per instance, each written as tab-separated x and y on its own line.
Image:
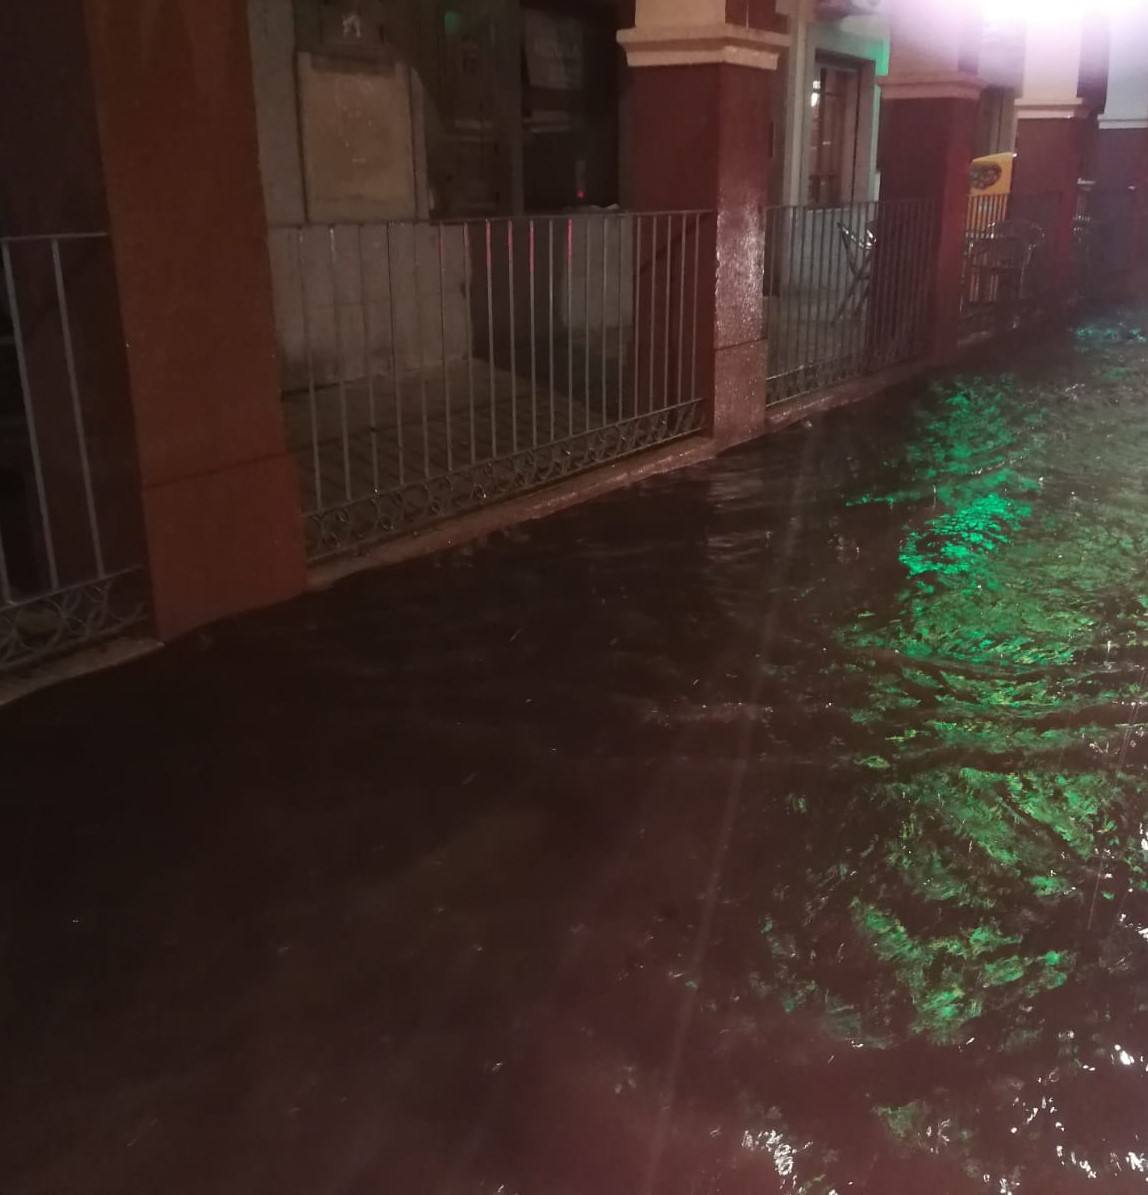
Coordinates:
173	97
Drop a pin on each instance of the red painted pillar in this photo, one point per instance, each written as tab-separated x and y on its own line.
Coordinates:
1120	168
1052	142
928	117
1120	161
699	107
926	145
175	109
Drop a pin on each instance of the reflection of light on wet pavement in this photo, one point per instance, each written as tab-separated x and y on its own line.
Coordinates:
785	815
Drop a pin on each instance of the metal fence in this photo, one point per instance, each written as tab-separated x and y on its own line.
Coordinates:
845	291
430	368
1009	273
70	525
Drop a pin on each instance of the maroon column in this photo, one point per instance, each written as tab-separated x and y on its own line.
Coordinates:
1120	158
926	145
1120	164
700	139
1051	152
174	102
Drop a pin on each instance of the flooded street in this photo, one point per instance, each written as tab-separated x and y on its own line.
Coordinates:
775	826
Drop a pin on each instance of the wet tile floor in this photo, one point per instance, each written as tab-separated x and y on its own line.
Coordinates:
778	825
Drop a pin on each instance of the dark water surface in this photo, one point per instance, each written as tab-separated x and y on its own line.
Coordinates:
775	826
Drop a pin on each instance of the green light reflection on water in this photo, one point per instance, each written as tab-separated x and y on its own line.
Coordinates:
997	690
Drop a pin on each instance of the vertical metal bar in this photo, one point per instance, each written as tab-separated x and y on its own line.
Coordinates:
694	348
30	418
817	233
912	270
304	303
604	223
5	584
337	327
569	326
790	295
666	316
779	218
77	410
792	301
906	290
767	283
915	294
842	310
824	312
903	214
874	323
637	309
922	256
840	358
550	301
928	258
467	297
879	283
395	360
445	367
653	308
898	213
896	298
779	279
513	360
817	323
816	226
681	309
928	267
885	250
847	366
621	304
863	299
367	366
802	329
533	348
851	310
490	337
588	225
416	289
771	283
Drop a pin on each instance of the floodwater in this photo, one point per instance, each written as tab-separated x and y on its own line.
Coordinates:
776	826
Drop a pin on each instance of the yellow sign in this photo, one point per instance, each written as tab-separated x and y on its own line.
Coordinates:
991	175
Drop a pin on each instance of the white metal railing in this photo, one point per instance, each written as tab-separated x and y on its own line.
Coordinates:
431	367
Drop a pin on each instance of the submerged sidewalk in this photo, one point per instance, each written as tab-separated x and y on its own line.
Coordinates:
773	826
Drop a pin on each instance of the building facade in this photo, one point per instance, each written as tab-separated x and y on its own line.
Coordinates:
285	279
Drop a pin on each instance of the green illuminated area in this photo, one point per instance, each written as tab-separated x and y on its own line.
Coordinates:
997	905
